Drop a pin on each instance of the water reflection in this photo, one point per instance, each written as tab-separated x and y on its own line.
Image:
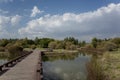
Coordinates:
2	61
3	58
65	67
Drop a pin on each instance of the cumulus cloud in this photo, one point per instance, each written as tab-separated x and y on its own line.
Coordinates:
15	20
35	11
6	23
3	21
103	22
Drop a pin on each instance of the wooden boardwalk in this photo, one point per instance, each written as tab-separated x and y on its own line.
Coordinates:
24	70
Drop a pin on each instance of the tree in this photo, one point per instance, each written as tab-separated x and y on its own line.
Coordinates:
82	43
94	42
44	42
72	40
36	41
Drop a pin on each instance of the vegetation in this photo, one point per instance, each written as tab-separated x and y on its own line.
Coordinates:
95	70
94	42
15	51
68	43
111	44
106	64
2	49
111	64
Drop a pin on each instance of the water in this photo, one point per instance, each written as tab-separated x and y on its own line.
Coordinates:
4	57
66	67
2	61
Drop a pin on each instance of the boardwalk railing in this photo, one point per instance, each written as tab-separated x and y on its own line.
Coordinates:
12	62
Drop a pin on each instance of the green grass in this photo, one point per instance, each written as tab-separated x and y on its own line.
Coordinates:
62	51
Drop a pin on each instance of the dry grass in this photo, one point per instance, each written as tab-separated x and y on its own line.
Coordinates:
95	70
111	64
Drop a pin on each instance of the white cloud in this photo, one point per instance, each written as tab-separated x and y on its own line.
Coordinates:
6	23
35	11
103	22
15	20
3	21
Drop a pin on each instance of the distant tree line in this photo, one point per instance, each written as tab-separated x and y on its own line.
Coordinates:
69	43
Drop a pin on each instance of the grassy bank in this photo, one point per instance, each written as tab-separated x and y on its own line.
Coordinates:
61	51
111	64
95	70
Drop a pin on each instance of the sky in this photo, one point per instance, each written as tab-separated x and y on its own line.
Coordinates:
82	19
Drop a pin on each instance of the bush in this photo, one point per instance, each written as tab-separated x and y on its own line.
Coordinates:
3	42
2	49
33	46
52	44
109	46
72	47
15	50
95	70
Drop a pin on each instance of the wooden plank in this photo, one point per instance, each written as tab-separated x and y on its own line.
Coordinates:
24	70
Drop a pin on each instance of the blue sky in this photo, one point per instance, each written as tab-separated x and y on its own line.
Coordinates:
83	19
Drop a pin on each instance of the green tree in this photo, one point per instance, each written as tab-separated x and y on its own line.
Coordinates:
94	42
36	41
82	43
72	40
44	42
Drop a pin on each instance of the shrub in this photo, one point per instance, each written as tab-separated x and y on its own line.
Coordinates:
109	46
95	71
2	49
52	44
33	46
72	47
3	42
15	50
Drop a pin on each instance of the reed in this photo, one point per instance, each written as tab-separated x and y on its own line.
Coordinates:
95	70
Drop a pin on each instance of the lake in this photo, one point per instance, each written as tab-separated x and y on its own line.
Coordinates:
65	67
